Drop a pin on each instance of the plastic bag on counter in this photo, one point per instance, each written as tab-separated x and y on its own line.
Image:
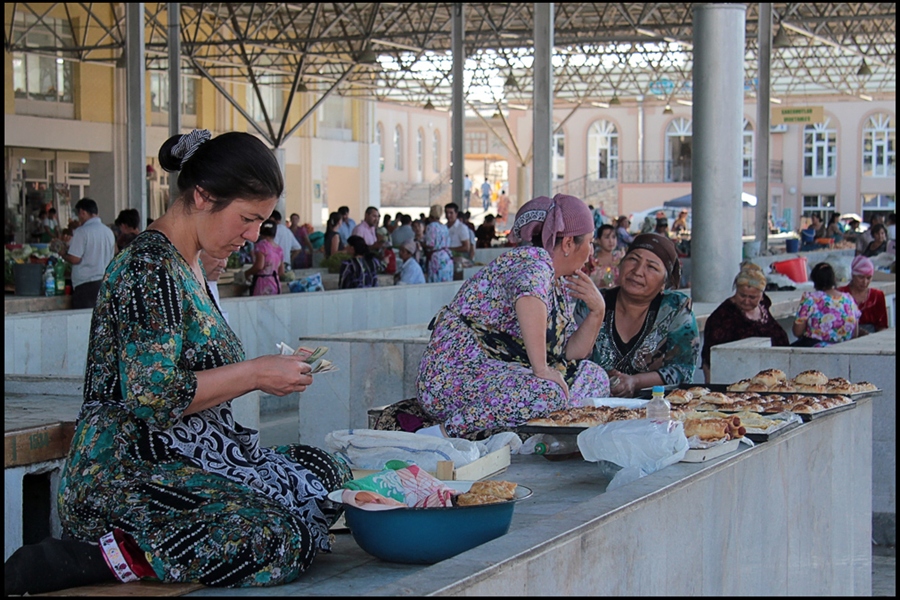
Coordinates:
373	448
639	446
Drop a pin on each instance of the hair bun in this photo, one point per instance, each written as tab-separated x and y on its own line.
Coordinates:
168	161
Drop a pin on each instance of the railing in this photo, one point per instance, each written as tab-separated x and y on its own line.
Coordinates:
584	187
437	186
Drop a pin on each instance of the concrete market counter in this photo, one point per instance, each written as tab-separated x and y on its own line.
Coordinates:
788	517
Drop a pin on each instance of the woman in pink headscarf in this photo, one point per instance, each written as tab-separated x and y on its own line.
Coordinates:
507	348
869	300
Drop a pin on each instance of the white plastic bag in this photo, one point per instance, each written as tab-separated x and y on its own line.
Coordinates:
639	446
371	448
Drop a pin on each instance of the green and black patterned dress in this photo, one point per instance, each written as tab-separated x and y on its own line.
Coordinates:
200	497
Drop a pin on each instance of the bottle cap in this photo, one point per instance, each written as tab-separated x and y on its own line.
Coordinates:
658	389
540	448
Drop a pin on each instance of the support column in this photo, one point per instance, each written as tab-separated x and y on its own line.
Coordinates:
457	105
174	30
763	135
136	105
543	98
717	130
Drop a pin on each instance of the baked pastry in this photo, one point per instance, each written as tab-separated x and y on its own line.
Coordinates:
698	390
679	396
865	386
505	490
810	388
758	387
472	498
717	398
784	388
739	386
811	377
769	377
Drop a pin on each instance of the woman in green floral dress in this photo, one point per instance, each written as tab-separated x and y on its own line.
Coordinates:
159	472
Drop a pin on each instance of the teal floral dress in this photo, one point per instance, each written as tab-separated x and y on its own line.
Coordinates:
668	343
475	375
196	493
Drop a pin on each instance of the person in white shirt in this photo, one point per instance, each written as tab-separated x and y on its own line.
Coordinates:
286	240
459	233
410	272
92	248
467	191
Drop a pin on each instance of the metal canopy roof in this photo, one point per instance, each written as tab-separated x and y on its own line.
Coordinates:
400	52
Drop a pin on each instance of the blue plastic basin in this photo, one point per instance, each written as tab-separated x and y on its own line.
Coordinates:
428	535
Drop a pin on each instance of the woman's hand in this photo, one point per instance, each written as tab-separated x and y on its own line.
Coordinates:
621	385
280	375
582	287
554	376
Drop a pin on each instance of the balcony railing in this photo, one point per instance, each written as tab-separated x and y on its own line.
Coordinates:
668	171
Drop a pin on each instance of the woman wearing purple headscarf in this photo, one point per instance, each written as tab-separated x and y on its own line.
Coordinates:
507	348
870	301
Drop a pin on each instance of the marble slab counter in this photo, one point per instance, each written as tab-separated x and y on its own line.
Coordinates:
787	517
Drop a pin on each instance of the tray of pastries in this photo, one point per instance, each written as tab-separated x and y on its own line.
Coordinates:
810	394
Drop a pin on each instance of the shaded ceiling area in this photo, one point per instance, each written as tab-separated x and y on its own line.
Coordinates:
400	52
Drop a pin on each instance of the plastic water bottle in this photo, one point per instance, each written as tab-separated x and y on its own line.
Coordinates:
49	282
529	444
658	407
59	272
557	448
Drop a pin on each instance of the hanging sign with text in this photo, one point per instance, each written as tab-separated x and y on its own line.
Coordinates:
797	114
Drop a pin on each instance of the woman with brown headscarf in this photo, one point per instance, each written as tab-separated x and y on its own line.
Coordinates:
743	315
649	335
506	348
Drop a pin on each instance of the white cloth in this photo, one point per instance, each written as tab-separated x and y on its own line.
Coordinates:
411	272
94	243
459	233
284	239
214	289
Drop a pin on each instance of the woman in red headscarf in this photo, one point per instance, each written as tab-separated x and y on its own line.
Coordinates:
507	348
869	300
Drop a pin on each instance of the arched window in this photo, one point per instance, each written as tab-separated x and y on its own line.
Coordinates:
379	137
420	151
747	151
558	162
398	148
679	148
435	151
878	146
819	150
603	150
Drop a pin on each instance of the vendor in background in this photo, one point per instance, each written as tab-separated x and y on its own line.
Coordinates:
879	241
834	229
362	268
623	238
662	226
743	315
129	224
826	316
410	271
436	245
303	259
603	266
332	243
268	262
680	223
486	233
870	301
506	349
649	335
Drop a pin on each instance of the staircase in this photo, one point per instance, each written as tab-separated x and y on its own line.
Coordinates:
596	192
404	194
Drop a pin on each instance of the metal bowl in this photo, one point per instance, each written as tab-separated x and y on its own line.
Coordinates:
428	535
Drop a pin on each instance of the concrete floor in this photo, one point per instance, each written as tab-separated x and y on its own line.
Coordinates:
281	427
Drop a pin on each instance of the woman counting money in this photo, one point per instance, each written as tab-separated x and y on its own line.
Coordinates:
507	348
161	483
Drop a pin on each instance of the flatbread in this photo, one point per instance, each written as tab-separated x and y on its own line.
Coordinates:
472	499
505	490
